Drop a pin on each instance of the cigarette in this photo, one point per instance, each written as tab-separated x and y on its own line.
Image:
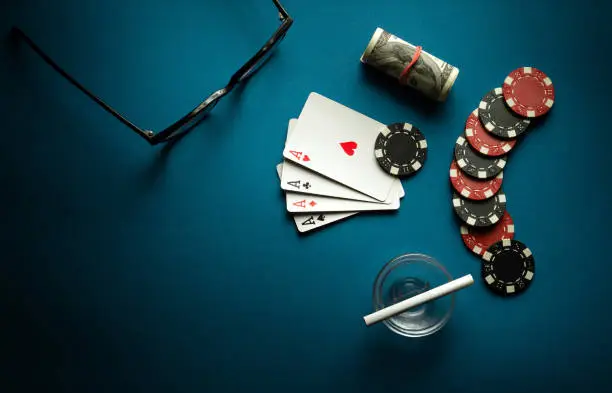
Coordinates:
432	294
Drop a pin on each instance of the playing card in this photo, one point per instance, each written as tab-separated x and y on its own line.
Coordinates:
308	222
296	178
301	203
338	143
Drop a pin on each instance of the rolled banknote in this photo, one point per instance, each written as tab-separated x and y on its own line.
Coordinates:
391	55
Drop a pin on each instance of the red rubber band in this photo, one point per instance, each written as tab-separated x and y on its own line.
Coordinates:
416	56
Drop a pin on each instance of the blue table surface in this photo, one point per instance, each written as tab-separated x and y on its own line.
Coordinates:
126	267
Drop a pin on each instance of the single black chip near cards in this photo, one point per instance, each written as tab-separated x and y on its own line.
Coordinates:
497	118
508	267
400	149
475	164
480	213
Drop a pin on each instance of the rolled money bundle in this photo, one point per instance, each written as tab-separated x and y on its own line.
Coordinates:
391	55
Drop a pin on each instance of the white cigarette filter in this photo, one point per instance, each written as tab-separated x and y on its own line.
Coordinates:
432	294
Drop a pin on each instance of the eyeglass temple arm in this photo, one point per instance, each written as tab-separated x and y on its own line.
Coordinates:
287	22
167	134
281	9
56	67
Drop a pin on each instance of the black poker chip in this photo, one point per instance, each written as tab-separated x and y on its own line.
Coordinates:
508	267
480	213
400	149
475	164
497	118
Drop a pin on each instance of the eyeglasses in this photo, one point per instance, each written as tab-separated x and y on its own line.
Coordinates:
190	120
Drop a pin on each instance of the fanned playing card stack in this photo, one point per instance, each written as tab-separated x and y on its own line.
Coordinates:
330	171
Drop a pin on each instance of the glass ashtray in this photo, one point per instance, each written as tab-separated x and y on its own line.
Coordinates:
406	276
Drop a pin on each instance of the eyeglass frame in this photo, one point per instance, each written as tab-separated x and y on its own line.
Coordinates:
191	119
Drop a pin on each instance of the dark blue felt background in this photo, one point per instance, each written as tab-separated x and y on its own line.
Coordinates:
130	268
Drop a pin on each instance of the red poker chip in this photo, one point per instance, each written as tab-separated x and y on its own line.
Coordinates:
529	92
479	240
472	188
483	141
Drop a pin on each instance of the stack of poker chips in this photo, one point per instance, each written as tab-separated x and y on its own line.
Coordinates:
476	174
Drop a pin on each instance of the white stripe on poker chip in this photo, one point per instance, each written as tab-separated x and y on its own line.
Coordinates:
506	242
487	256
489	193
527	252
493	219
501	198
501	163
394	170
510	289
508	80
462	163
501	175
529	275
482	174
453	173
527	70
407	126
378	153
506	147
531	113
549	103
510	228
460	141
475	112
482	105
547	81
469	132
498	91
477	250
489	126
423	144
471	221
466	193
484	150
489	279
416	166
510	102
511	134
464	230
385	131
456	202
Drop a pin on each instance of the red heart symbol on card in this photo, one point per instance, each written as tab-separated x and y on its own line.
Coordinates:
306	158
349	147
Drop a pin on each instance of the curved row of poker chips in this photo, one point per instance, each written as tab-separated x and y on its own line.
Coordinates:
476	174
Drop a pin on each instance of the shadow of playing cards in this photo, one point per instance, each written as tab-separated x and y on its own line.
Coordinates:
403	94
